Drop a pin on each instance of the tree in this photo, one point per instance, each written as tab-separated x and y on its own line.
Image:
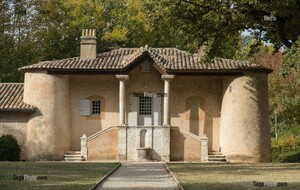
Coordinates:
16	42
273	21
291	60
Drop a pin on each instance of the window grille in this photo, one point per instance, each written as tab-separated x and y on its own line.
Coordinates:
96	107
145	106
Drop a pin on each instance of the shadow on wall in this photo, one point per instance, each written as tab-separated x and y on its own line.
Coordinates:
176	145
257	85
195	113
251	86
200	118
156	156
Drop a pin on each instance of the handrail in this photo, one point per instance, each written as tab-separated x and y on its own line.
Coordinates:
190	134
95	135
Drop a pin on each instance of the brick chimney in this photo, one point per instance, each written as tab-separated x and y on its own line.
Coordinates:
201	50
88	44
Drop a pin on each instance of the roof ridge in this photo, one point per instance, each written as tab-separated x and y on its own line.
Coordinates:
130	58
168	58
12	83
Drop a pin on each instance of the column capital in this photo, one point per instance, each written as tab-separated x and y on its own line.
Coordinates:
122	77
167	77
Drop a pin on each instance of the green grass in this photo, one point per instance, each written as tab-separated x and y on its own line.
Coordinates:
60	175
236	176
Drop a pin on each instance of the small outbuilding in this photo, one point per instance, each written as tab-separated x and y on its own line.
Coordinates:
135	104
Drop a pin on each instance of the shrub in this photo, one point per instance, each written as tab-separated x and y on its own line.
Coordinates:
9	148
293	156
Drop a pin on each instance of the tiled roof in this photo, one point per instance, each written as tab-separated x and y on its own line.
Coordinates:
168	59
11	98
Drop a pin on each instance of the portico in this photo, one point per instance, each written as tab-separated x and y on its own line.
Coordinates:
148	124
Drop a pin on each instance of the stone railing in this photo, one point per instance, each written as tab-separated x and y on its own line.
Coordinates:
204	145
204	149
85	140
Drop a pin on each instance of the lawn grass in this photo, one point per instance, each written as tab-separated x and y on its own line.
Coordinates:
236	176
59	175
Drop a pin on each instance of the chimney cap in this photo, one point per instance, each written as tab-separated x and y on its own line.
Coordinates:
88	33
88	44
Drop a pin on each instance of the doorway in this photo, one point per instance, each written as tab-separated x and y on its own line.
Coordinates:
145	111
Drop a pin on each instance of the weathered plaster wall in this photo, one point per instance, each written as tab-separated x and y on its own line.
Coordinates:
245	133
144	81
83	87
14	123
105	146
48	129
184	147
206	121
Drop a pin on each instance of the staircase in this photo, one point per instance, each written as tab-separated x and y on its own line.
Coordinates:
73	156
216	157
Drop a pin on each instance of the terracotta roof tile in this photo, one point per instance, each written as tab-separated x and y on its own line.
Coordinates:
169	59
11	98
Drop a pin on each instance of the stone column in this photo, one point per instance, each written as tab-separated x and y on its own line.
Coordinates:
122	135
204	148
167	79
165	130
122	98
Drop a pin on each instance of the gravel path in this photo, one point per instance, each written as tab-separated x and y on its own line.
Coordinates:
140	176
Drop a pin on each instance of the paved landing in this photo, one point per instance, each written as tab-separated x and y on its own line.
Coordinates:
140	176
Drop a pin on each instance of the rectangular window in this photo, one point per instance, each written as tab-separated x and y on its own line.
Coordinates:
145	105
96	107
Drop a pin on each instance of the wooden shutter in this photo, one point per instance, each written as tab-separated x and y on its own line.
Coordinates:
133	110
156	111
85	107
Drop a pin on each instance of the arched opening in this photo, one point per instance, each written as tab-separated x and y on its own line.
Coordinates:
143	138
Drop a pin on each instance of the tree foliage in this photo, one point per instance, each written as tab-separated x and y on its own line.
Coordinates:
277	21
34	30
291	61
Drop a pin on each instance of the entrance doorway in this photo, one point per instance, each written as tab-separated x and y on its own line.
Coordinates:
144	110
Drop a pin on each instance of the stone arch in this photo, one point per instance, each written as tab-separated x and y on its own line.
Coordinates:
143	138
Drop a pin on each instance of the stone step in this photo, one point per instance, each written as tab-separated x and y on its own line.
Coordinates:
74	159
217	162
216	156
216	159
73	156
215	153
73	152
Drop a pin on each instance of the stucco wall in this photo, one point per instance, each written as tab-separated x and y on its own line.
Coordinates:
105	146
143	82
209	90
14	123
245	133
48	129
83	87
184	147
